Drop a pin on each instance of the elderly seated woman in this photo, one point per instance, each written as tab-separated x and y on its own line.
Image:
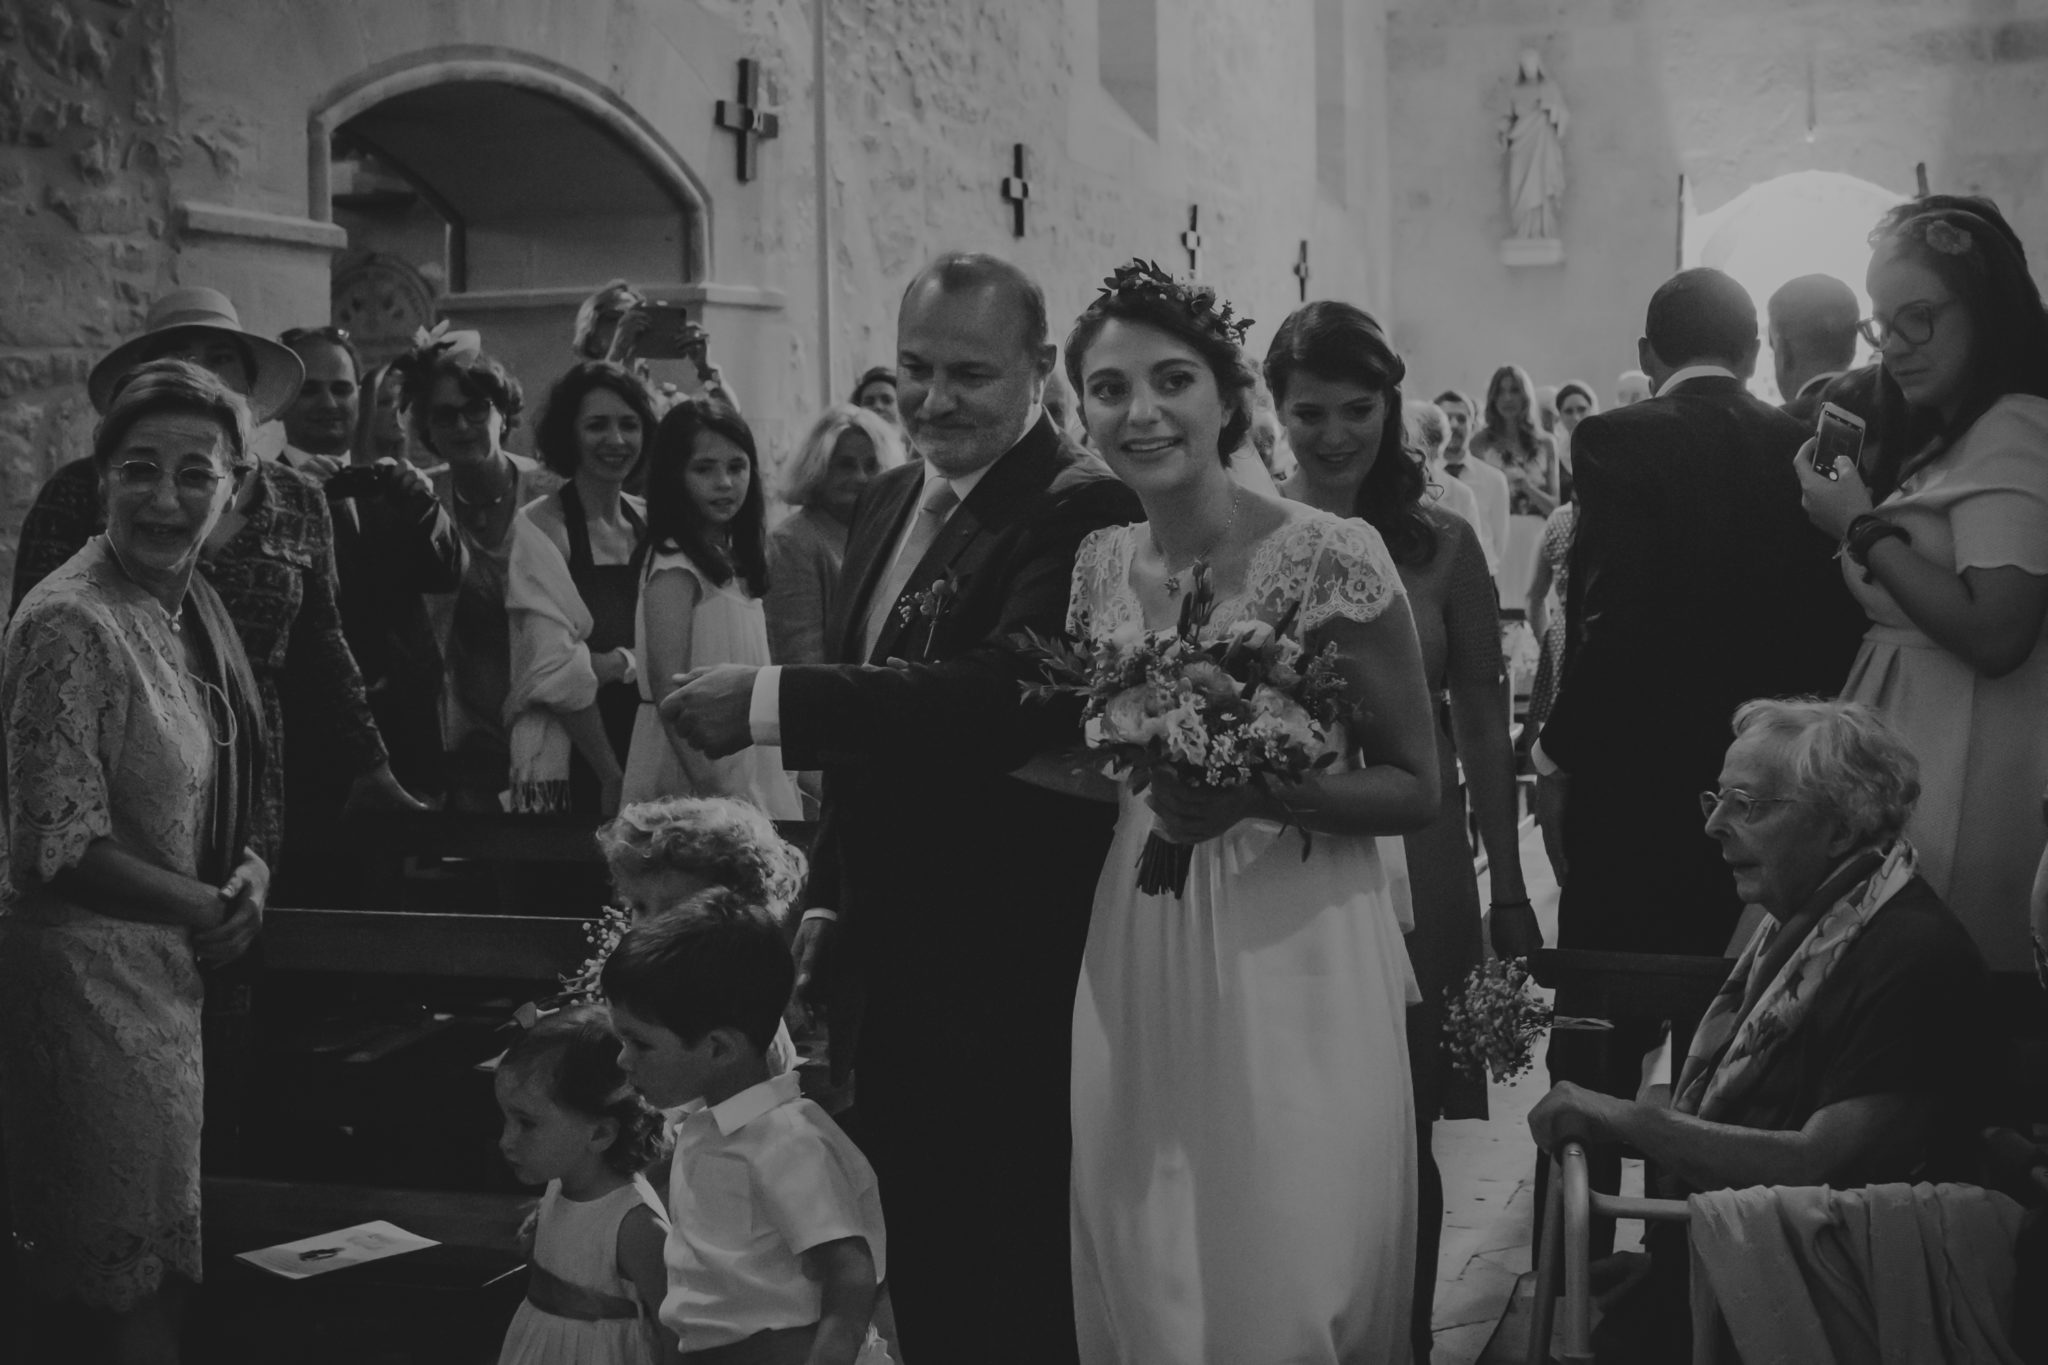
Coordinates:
1849	1045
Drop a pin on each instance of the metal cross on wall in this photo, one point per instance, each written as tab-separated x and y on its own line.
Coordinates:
745	118
1192	239
1017	190
1301	271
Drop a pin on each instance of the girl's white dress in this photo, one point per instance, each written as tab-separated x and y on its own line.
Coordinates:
578	1242
1244	1134
727	627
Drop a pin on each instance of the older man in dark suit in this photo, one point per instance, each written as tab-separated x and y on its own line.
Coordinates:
961	895
1696	584
1813	340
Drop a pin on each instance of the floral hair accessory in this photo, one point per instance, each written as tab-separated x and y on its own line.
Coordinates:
1947	238
1939	233
432	345
1144	279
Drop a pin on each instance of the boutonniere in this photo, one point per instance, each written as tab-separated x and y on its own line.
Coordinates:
934	604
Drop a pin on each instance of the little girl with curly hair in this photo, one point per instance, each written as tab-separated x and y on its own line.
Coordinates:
574	1123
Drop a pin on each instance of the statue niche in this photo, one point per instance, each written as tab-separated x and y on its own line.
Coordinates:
1532	128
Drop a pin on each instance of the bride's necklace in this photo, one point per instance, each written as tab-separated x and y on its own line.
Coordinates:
1201	560
172	619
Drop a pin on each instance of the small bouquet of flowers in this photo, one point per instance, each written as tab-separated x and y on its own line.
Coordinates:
603	933
1493	1020
1217	707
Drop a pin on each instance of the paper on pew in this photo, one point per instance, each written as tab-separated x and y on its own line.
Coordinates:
331	1251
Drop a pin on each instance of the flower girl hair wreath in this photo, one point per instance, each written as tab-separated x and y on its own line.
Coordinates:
1140	292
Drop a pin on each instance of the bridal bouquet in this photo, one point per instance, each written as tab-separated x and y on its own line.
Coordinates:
1217	707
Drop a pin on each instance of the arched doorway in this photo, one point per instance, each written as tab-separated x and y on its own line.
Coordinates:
1809	222
497	192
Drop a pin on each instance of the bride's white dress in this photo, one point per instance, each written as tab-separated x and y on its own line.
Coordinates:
1244	1134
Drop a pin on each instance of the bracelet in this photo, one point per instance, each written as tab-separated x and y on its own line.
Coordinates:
819	913
1862	536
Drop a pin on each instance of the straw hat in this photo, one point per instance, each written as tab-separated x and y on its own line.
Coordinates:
273	386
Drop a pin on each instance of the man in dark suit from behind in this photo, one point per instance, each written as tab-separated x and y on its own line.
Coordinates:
1697	583
961	895
1813	340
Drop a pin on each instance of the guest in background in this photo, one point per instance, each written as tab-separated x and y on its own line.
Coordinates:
1427	432
1632	387
847	447
1695	586
1546	410
393	543
609	326
1575	403
700	603
1952	568
1510	440
1488	485
1336	380
1850	1044
1813	340
1548	590
1059	405
573	591
380	426
134	758
462	403
876	392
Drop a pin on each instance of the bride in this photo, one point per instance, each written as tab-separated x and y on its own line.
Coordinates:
1244	1146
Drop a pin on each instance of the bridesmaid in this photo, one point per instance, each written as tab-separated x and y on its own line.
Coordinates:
1336	380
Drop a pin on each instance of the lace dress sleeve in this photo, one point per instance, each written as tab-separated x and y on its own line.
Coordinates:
1350	577
1096	564
66	705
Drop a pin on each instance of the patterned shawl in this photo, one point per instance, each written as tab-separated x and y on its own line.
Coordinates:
1751	1017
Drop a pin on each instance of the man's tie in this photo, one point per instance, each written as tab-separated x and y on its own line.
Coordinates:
938	504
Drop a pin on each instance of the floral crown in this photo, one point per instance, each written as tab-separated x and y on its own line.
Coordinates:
1936	229
1145	280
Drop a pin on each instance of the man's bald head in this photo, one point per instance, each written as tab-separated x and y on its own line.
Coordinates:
960	272
1813	330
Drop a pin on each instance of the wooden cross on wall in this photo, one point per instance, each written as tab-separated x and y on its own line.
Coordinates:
1192	239
1017	190
747	120
1301	271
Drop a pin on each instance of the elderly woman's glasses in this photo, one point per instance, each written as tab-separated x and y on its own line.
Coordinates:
1913	324
1741	805
474	413
192	480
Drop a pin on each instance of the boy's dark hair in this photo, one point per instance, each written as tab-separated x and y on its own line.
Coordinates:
576	1055
718	962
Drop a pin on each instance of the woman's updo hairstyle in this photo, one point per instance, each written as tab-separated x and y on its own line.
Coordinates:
1965	242
1190	313
173	386
1341	343
575	1055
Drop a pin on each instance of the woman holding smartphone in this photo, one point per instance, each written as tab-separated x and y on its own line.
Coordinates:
1952	567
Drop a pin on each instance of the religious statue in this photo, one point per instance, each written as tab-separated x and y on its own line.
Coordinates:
1533	131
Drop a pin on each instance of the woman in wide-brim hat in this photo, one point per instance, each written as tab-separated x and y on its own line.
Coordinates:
186	324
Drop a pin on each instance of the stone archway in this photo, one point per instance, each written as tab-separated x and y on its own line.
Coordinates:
1808	222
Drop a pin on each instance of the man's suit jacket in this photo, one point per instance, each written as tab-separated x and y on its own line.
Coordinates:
1697	583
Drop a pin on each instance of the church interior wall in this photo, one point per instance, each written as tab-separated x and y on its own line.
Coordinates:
1718	90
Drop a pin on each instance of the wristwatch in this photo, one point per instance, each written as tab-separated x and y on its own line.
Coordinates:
1864	532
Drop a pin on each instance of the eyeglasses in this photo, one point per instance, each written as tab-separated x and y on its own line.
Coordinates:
192	480
474	413
1741	805
1913	324
337	335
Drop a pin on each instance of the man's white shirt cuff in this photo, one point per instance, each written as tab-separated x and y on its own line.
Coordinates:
1543	763
764	715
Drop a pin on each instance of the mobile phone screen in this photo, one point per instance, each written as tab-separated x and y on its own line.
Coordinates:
1839	436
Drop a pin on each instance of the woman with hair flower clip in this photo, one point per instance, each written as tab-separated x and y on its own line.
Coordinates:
1244	1135
1952	567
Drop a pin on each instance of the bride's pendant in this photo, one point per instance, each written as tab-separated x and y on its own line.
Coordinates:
1173	579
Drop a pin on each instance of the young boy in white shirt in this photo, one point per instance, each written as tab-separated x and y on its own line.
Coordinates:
775	1253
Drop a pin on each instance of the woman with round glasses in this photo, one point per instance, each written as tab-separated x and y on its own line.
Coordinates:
135	748
462	404
1952	566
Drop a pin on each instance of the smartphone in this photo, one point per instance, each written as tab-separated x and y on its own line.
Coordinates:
669	334
1839	435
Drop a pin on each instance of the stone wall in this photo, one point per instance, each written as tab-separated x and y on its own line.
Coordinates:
1722	91
88	131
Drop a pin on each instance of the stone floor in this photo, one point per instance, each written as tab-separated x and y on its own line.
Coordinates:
1489	1168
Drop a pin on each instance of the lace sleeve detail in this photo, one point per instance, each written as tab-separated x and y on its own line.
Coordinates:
1350	575
66	702
1096	566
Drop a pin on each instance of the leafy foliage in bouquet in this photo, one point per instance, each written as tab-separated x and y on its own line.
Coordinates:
1226	707
1493	1020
